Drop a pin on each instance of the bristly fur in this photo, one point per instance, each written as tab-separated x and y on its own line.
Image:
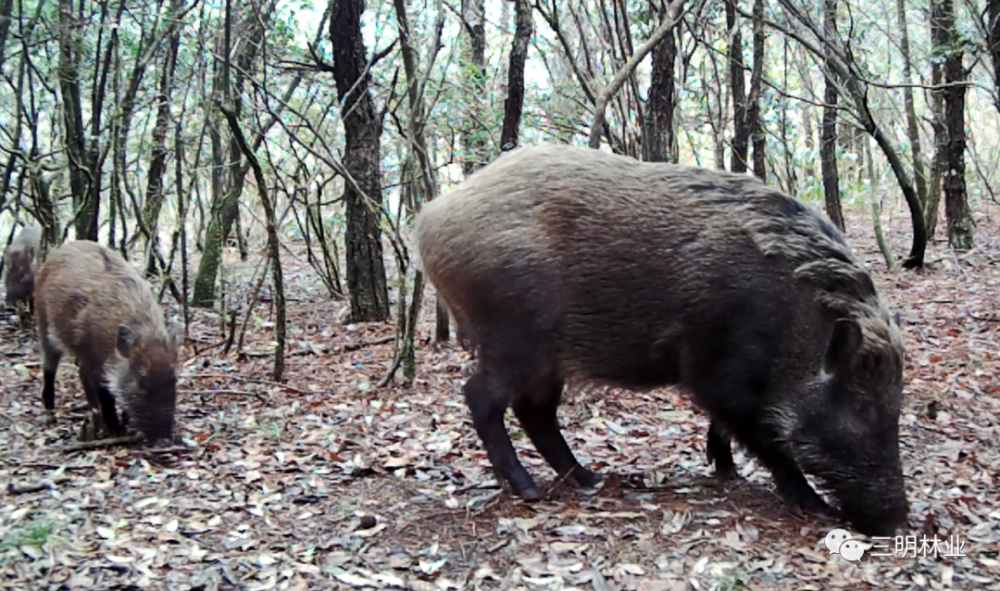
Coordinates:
570	264
93	304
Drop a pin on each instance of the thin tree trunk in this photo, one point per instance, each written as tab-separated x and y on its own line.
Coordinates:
6	7
514	103
366	280
993	39
658	143
791	176
912	127
828	134
755	122
225	199
665	28
938	163
74	134
876	209
272	243
427	184
158	158
741	133
956	204
182	223
474	133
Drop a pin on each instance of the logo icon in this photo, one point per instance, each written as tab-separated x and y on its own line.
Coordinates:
839	541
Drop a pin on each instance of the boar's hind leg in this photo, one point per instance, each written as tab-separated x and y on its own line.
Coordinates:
51	356
536	410
487	401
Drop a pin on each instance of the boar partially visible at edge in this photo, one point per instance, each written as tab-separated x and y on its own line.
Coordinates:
20	262
565	263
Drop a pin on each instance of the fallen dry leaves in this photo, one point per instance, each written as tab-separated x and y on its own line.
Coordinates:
330	482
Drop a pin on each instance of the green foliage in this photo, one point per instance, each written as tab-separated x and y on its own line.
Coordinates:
33	533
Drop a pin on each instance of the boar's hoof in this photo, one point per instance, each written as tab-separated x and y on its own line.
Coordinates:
90	427
524	488
724	474
50	417
808	501
584	478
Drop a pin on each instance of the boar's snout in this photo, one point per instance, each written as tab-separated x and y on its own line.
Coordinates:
875	510
154	413
157	431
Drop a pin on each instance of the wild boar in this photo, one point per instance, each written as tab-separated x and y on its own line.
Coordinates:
94	305
20	260
566	263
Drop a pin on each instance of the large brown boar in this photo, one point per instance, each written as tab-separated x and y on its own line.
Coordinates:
570	263
19	267
92	304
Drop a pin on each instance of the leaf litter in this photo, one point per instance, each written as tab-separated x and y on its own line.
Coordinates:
328	481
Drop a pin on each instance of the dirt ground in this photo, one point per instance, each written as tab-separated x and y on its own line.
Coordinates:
328	481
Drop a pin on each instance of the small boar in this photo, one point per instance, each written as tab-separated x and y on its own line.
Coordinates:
565	263
92	304
20	260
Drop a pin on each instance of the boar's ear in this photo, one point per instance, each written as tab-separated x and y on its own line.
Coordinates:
897	319
844	342
126	340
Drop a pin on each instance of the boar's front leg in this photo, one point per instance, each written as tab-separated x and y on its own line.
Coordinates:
108	411
720	452
536	408
762	441
487	399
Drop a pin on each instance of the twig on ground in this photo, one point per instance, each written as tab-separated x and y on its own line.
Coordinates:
363	344
558	483
250	381
33	487
204	393
99	443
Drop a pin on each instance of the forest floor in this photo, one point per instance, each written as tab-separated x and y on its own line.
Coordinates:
329	481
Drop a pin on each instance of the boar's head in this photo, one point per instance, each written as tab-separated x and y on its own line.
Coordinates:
143	375
844	428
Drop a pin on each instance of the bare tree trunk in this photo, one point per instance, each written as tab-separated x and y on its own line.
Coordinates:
754	120
912	127
791	175
225	199
514	103
6	7
158	157
659	143
474	132
828	135
665	28
876	209
741	133
74	133
427	184
272	242
993	39
838	61
956	204
938	163
366	281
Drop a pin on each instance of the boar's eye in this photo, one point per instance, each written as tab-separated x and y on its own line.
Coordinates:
866	410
